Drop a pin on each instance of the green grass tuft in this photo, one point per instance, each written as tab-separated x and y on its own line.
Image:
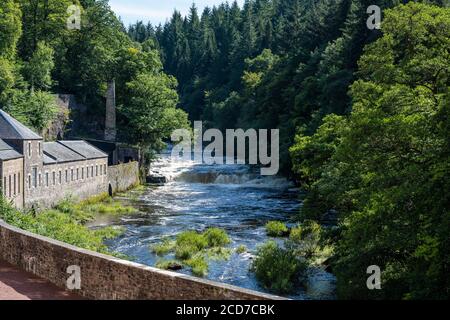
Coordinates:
276	229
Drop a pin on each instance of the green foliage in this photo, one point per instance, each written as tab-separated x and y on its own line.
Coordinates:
38	69
163	248
60	226
195	249
241	249
384	167
276	229
216	237
199	265
168	264
277	269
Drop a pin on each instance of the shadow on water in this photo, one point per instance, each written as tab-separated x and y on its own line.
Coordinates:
196	197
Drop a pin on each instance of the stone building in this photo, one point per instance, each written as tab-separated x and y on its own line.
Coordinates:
38	173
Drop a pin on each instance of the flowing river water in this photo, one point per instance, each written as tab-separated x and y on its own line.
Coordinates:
233	197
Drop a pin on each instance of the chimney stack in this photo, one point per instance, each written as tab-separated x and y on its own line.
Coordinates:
110	118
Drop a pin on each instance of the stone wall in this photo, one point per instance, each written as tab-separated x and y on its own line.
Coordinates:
123	176
78	179
11	181
105	277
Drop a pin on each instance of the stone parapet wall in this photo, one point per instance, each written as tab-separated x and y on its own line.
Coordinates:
123	176
105	277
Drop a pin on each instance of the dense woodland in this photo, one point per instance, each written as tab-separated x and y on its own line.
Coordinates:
363	114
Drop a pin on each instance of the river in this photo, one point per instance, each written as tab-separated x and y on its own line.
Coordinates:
232	197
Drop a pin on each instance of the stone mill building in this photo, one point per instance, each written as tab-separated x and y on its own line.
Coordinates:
38	173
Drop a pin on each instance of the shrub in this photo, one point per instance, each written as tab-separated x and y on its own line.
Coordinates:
192	239
296	234
216	237
276	229
277	268
199	265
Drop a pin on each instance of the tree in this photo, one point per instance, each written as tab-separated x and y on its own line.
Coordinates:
384	168
39	67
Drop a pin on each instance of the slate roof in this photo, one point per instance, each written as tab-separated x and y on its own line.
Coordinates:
10	128
84	148
60	153
68	151
7	152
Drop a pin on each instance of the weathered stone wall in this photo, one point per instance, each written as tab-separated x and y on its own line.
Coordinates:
11	181
123	176
79	179
104	277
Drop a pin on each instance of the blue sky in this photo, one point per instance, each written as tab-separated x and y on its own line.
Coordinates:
156	11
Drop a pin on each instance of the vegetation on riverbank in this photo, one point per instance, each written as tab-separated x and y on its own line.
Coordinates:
66	221
281	267
194	250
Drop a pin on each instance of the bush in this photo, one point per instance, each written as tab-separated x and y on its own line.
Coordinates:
276	268
216	237
199	265
192	239
296	234
276	229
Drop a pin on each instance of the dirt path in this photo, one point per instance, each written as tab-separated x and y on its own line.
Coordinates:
16	284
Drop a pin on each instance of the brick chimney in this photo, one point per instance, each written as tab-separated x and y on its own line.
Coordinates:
110	117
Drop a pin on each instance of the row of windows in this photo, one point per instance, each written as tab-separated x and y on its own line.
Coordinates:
11	185
70	175
30	149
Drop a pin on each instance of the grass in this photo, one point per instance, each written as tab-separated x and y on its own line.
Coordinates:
276	229
163	248
63	224
241	249
168	264
194	249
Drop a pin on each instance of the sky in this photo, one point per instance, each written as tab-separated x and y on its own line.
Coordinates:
156	11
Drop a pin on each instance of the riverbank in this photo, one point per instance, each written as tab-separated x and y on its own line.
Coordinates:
67	221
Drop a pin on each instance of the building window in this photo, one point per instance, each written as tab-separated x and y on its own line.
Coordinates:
4	186
92	171
67	176
82	173
15	184
18	183
60	177
40	179
29	149
9	190
39	148
96	170
54	177
104	168
35	177
29	181
46	179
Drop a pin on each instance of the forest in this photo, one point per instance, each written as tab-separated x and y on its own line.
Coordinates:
363	113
